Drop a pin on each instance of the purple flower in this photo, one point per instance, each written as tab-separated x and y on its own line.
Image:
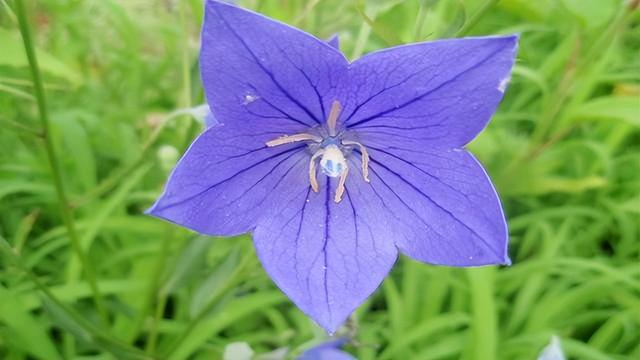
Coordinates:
329	350
336	166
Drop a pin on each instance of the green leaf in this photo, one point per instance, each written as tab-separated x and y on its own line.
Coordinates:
190	261
214	283
592	13
233	311
13	54
26	331
89	334
620	108
425	331
72	138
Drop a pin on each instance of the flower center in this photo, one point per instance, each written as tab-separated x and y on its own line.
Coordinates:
331	150
333	163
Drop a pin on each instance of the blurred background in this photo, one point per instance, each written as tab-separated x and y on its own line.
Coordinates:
87	275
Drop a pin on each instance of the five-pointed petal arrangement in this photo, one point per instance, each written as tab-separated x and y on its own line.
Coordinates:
335	166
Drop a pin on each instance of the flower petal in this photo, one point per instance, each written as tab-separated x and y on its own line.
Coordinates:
445	208
439	94
326	354
334	41
553	351
256	68
228	179
329	350
327	257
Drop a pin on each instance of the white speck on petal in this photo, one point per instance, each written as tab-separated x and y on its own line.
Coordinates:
249	98
553	351
503	84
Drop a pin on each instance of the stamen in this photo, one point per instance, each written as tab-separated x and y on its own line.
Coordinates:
332	163
312	170
287	139
340	189
333	117
365	157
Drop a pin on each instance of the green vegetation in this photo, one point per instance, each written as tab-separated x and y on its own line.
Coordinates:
85	275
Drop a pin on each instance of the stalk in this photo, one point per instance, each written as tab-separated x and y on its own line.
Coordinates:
65	210
475	18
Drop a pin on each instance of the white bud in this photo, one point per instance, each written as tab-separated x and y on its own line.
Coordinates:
168	156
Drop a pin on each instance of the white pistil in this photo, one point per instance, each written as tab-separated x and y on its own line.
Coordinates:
333	162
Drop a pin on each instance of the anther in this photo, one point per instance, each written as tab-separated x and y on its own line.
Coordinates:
312	170
365	157
332	120
287	139
340	188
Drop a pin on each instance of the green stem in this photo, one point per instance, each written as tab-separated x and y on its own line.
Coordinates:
12	16
152	338
473	20
185	63
20	127
484	328
185	66
16	92
420	18
65	211
162	295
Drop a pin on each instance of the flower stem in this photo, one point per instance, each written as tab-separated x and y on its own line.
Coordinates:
18	127
484	328
185	68
12	16
473	20
159	293
65	211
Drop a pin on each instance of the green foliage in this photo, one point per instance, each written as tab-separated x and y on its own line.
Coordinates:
563	149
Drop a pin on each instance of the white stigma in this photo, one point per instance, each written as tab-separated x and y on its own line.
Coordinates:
333	163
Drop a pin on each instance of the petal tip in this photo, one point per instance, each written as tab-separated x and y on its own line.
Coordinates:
151	211
334	41
329	325
155	210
